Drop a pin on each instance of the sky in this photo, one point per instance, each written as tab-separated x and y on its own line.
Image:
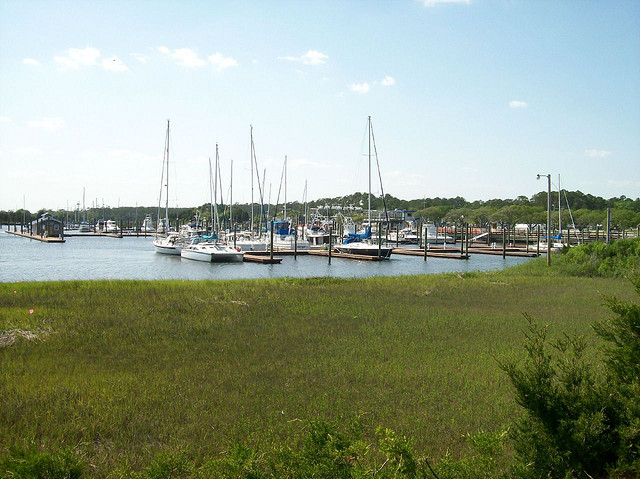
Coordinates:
468	98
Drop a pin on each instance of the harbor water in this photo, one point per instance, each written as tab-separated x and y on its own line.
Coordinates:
87	258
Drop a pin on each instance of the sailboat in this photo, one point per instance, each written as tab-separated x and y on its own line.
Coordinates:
246	240
208	248
170	242
284	236
361	243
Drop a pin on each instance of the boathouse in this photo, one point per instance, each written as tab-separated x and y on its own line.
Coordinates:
47	226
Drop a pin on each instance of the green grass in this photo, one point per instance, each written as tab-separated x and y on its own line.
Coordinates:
127	370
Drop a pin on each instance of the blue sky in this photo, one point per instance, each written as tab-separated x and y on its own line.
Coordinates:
467	98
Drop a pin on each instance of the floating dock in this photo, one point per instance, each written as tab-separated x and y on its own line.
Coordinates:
361	257
437	253
252	258
44	239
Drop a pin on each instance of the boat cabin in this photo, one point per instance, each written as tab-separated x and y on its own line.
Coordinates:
47	226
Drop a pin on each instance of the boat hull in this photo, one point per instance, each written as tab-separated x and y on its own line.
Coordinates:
212	254
366	250
163	247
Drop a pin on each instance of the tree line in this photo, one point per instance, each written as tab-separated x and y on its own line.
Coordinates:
583	210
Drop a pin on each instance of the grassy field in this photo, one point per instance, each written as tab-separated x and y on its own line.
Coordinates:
123	370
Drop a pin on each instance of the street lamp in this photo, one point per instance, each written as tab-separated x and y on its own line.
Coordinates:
548	217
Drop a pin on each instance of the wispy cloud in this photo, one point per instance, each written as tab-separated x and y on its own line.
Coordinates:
27	150
31	61
184	57
597	153
4	119
312	57
78	57
433	3
220	62
114	64
361	88
140	58
518	104
388	81
48	124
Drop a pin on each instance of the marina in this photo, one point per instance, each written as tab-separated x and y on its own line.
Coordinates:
134	258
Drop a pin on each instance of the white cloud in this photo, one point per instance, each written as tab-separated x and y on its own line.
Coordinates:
388	81
184	57
31	61
312	57
139	57
597	153
27	150
220	62
517	104
48	124
360	87
114	64
4	119
432	3
79	57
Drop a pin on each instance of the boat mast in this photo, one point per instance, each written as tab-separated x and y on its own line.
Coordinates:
166	228
369	204
285	188
211	196
559	211
231	198
252	154
215	192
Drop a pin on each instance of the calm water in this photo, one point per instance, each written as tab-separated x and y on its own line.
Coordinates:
22	259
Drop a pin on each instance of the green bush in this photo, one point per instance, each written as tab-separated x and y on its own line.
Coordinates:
579	423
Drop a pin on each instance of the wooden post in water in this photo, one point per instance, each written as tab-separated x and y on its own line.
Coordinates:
295	240
467	240
397	234
330	241
424	245
271	242
504	243
379	239
235	235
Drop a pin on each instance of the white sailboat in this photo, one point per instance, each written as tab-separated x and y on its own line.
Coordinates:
361	243
208	248
169	243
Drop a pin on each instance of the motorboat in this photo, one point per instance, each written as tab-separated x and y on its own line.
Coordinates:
246	242
211	252
147	225
366	248
170	244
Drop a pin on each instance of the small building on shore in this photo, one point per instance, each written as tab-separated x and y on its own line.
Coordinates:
47	226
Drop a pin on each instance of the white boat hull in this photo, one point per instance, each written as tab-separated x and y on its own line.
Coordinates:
212	253
162	246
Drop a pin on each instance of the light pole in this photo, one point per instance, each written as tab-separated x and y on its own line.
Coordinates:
548	217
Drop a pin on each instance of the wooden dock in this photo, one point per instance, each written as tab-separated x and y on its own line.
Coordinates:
44	239
431	253
94	235
252	258
361	257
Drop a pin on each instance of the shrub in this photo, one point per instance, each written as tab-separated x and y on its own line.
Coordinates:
579	424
